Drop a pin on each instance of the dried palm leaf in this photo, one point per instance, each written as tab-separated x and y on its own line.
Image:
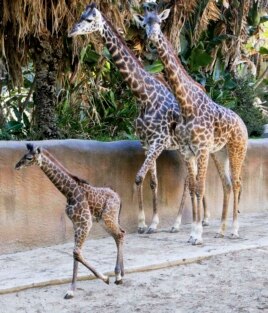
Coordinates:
210	13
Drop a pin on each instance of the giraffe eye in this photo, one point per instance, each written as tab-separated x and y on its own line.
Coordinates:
29	158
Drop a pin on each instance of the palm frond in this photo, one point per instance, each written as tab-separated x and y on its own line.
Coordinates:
210	13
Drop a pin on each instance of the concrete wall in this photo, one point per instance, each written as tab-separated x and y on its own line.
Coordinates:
32	210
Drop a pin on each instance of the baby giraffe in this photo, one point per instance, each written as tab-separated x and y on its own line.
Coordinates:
83	202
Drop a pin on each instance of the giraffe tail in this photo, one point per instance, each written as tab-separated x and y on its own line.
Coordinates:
239	195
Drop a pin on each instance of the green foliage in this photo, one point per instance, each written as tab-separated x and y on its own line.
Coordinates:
225	87
99	105
239	95
16	106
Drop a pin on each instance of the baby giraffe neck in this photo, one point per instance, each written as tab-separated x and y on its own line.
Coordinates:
57	174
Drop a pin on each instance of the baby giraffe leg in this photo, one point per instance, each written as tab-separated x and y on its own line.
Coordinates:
80	235
111	225
70	293
79	257
119	267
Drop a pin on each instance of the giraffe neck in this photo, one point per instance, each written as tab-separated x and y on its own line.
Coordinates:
185	89
129	66
58	175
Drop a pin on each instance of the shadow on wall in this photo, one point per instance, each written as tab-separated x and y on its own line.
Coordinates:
32	210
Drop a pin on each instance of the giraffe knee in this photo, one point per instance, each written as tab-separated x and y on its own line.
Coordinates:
77	254
228	187
236	184
138	180
153	185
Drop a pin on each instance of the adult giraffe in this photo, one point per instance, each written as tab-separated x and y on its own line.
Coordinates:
207	128
159	112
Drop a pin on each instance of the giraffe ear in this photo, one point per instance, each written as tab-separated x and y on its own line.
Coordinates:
164	15
30	147
139	19
38	150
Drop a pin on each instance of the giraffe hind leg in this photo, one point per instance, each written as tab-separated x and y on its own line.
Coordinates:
176	225
236	156
111	225
221	161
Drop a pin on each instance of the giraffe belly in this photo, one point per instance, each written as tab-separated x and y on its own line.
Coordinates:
218	143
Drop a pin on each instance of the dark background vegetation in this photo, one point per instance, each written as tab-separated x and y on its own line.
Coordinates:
52	86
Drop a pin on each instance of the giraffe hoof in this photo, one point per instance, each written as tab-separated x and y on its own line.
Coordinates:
191	239
174	230
107	280
219	235
205	223
141	230
151	230
234	236
119	282
69	294
197	242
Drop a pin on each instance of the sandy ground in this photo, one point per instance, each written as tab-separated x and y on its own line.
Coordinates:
234	282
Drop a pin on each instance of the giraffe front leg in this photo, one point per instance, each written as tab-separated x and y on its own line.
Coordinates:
70	293
141	218
191	168
154	187
148	164
205	221
202	164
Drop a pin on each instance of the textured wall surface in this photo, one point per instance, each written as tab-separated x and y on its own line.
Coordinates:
32	210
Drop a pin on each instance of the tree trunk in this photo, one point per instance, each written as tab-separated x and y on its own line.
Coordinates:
46	57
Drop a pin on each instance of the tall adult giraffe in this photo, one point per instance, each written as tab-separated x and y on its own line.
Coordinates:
158	109
208	128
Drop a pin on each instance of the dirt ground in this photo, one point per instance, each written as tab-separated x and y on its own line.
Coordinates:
234	282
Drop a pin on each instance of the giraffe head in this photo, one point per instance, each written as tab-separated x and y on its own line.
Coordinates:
30	158
151	21
89	22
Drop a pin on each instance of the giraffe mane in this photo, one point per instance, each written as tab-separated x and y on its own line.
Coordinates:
122	41
74	177
79	180
182	68
158	76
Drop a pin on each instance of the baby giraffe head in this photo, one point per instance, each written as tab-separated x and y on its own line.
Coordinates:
151	21
30	158
89	22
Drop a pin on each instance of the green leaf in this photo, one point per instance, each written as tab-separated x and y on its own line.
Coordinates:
106	53
263	50
89	56
14	126
229	84
218	70
199	57
264	19
154	68
26	120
